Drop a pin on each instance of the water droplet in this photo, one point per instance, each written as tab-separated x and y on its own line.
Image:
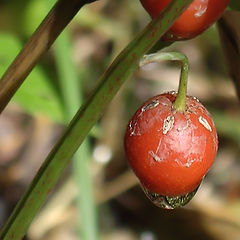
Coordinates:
168	202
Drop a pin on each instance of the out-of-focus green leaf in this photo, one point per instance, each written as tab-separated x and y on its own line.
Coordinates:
9	47
227	125
235	5
33	14
36	95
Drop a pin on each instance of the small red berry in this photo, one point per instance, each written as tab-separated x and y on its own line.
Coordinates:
199	16
170	152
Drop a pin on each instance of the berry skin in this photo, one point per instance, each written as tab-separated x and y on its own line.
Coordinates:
170	152
199	16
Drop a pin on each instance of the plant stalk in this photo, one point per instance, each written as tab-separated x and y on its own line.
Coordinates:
180	102
70	85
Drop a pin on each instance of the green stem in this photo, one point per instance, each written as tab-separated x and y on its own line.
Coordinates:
87	116
70	85
180	102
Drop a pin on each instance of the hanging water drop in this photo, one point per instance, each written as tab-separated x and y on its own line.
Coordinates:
169	202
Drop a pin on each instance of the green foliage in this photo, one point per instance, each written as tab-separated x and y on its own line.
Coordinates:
37	94
36	11
9	47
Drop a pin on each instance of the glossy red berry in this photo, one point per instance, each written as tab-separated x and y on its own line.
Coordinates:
170	152
200	15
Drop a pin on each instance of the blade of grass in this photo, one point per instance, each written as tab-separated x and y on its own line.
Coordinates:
84	120
57	19
72	97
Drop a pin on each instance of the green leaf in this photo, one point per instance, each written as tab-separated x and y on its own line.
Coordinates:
37	94
9	47
33	14
234	5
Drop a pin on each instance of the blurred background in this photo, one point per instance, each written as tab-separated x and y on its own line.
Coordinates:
40	110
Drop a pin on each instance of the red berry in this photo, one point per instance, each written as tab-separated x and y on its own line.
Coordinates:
170	152
200	15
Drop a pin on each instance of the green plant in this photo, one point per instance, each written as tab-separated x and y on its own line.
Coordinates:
92	109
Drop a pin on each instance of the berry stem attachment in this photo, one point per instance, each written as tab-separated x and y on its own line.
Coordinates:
180	102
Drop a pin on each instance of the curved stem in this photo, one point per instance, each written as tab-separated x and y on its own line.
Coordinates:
180	102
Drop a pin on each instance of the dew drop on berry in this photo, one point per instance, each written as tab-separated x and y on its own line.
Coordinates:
169	202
